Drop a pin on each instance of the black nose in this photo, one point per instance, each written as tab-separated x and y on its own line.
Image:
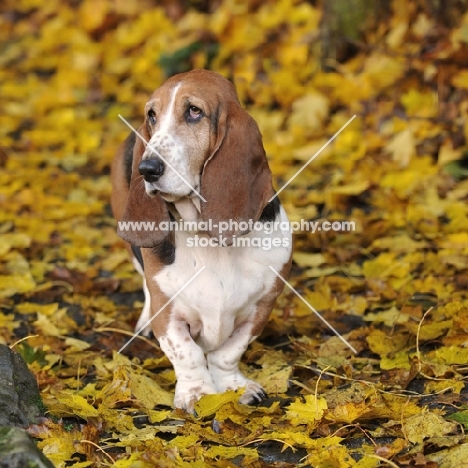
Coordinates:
151	169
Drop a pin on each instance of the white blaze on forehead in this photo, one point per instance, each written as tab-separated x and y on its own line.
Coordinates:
167	115
173	146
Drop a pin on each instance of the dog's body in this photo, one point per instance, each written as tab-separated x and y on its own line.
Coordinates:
211	301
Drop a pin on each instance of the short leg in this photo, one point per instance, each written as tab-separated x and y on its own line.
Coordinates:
145	313
188	359
223	364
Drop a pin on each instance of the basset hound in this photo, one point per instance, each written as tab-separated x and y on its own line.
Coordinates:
199	158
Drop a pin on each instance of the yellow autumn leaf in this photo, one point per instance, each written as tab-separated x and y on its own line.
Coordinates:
275	373
33	308
444	386
17	284
237	413
389	317
399	360
399	243
148	392
308	112
448	154
455	240
452	355
112	261
56	324
348	412
334	351
397	33
291	55
116	419
349	189
460	79
306	410
402	147
453	457
119	389
454	309
382	343
308	259
183	441
422	25
321	271
46	326
135	460
385	265
227	453
71	403
135	437
306	152
13	240
427	425
59	445
420	103
92	13
391	407
432	330
210	404
76	345
297	437
8	323
332	456
319	300
158	416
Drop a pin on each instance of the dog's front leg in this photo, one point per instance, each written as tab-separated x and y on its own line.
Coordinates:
145	316
223	364
188	359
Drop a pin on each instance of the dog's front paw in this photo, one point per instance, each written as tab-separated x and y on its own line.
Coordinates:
253	394
189	392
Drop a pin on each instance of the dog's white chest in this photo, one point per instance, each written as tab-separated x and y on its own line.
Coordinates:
225	292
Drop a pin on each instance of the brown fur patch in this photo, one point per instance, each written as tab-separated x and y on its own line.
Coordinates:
266	303
152	266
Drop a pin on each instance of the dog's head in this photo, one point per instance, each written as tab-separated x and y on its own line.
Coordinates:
197	141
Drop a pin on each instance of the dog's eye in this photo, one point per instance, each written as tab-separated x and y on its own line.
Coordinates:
194	113
151	117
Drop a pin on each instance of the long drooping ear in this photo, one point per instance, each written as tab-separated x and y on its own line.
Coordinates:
236	180
141	208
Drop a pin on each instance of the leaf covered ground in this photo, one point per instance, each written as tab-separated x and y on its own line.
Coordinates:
395	287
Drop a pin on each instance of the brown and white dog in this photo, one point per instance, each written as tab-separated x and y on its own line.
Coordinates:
201	144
